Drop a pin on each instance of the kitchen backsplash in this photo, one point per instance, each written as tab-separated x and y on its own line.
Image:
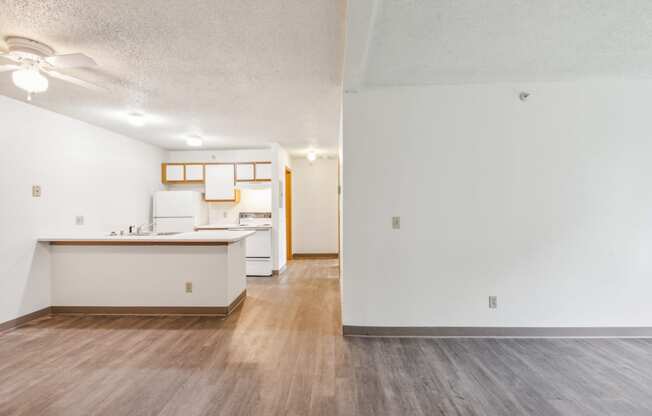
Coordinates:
251	200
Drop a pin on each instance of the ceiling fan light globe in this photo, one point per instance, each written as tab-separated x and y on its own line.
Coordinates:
30	80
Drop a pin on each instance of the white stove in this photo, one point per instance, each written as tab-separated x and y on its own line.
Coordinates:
259	245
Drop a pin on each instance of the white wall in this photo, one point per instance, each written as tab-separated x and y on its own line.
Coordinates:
546	204
83	170
314	206
227	156
280	161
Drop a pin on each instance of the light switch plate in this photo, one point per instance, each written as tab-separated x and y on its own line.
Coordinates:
36	191
396	223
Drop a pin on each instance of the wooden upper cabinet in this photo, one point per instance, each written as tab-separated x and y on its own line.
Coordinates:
244	172
173	172
220	182
194	173
263	171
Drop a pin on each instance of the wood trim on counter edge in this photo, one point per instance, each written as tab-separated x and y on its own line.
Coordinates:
315	256
24	319
495	332
137	243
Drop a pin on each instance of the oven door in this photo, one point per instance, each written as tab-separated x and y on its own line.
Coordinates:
259	245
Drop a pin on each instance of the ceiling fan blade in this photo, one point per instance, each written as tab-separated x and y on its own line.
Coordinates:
8	57
73	80
5	68
73	60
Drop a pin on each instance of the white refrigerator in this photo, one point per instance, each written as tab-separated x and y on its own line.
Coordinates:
178	211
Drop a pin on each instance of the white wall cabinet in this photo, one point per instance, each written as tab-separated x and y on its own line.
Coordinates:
195	173
263	171
244	172
220	182
174	173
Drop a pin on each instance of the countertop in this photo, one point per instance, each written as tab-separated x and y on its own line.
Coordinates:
217	237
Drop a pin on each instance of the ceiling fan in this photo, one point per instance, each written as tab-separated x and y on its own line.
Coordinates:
32	60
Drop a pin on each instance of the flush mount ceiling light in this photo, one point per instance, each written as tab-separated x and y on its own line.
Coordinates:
311	156
136	119
194	141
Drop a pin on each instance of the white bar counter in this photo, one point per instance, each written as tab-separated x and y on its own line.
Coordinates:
102	274
218	237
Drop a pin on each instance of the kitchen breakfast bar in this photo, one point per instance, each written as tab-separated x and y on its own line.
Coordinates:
194	273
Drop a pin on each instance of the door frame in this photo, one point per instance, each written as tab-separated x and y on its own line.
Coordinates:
288	213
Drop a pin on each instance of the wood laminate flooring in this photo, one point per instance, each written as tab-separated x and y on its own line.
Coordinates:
282	353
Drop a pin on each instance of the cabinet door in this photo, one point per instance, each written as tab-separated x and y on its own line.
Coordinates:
195	173
174	173
263	171
244	172
220	182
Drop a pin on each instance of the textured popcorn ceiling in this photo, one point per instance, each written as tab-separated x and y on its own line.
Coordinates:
469	41
239	72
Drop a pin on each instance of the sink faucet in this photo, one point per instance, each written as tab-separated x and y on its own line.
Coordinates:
139	229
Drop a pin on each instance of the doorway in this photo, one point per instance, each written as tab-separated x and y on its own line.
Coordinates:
288	213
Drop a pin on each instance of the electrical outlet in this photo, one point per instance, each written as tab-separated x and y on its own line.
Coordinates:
396	223
188	287
224	213
493	302
36	191
79	220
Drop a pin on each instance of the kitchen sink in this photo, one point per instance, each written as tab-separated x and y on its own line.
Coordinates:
142	234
